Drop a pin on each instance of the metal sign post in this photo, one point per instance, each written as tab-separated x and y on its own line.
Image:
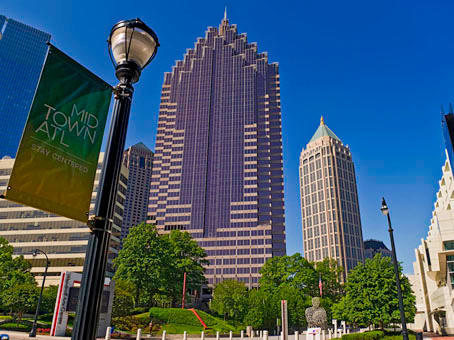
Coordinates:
284	320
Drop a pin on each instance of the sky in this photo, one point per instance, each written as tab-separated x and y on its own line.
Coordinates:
377	71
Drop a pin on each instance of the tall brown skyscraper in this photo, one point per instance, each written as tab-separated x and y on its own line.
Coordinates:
329	201
217	170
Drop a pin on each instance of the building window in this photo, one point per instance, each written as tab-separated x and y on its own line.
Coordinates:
450	265
448	245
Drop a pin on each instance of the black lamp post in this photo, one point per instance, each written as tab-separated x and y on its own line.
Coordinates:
384	209
33	331
132	45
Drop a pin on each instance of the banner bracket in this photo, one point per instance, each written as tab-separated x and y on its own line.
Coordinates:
97	224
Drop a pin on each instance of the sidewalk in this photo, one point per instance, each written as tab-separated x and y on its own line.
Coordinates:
22	336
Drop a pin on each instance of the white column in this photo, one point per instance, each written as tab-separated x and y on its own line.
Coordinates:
242	334
230	335
344	327
323	335
217	335
202	336
185	335
139	334
297	336
164	335
265	335
335	327
329	334
108	332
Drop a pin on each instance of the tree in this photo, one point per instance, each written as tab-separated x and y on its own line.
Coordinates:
185	256
15	279
260	313
296	280
141	261
371	295
48	301
20	298
123	302
293	271
230	300
155	264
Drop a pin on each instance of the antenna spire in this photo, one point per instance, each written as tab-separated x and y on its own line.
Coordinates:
225	13
322	121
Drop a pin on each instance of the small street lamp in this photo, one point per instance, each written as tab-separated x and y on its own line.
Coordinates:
385	210
132	46
32	333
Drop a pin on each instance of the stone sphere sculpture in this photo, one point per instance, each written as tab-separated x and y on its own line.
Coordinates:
316	315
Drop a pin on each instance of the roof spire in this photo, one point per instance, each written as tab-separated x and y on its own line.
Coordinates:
322	121
225	13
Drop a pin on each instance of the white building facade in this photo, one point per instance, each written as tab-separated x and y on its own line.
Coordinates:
62	239
433	278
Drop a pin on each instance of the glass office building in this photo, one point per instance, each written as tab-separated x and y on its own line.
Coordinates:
22	53
217	170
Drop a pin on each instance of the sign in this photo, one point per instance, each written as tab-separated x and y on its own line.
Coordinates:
66	302
73	299
58	155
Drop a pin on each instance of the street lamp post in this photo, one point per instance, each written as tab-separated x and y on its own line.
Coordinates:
32	333
132	45
384	209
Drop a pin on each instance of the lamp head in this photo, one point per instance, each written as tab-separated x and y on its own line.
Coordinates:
132	46
384	208
35	252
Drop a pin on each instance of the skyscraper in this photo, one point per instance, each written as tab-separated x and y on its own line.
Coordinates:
22	52
329	201
139	160
217	170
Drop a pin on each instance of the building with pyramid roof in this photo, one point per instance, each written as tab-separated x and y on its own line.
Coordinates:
329	201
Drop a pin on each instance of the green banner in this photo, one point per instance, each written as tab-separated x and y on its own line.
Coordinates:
56	162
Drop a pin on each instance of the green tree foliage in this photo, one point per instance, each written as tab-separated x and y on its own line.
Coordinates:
371	295
18	291
260	313
48	301
123	303
296	280
293	270
230	300
21	298
142	259
185	256
155	264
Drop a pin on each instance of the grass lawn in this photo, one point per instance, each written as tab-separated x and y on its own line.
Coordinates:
176	321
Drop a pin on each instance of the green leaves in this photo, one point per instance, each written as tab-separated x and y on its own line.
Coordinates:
230	299
18	291
296	280
155	264
371	295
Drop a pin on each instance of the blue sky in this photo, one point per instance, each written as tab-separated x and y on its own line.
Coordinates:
377	70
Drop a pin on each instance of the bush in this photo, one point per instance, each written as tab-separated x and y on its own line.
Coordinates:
12	326
372	335
129	323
